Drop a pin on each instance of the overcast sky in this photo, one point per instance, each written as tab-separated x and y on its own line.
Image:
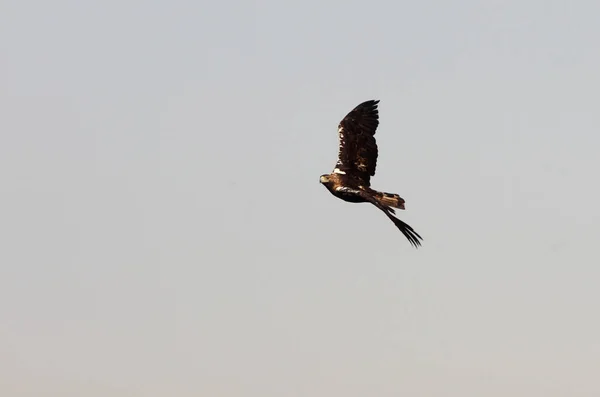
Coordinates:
164	232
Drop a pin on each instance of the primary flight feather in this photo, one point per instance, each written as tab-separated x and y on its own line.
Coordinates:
357	159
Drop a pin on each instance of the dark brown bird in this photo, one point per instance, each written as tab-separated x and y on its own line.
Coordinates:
357	159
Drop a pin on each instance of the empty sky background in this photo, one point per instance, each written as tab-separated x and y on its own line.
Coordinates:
164	233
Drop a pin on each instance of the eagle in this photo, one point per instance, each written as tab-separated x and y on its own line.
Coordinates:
357	159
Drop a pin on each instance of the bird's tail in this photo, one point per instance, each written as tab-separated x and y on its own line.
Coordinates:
390	200
379	199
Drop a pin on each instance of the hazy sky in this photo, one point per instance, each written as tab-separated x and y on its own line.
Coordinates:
164	232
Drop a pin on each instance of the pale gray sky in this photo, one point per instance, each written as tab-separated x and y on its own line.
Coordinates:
164	232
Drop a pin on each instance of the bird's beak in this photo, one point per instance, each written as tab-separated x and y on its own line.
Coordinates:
324	179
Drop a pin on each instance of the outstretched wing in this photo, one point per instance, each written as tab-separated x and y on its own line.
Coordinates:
412	236
358	150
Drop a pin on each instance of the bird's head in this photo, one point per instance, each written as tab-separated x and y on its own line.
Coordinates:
324	179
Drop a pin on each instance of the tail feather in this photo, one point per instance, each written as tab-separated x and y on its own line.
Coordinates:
378	200
391	200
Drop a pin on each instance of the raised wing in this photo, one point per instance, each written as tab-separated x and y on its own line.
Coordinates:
358	150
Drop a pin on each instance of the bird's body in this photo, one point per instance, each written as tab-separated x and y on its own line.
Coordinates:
349	189
357	159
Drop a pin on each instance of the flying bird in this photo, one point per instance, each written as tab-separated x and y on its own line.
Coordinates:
357	159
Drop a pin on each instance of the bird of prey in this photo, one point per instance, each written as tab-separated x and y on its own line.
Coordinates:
357	159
